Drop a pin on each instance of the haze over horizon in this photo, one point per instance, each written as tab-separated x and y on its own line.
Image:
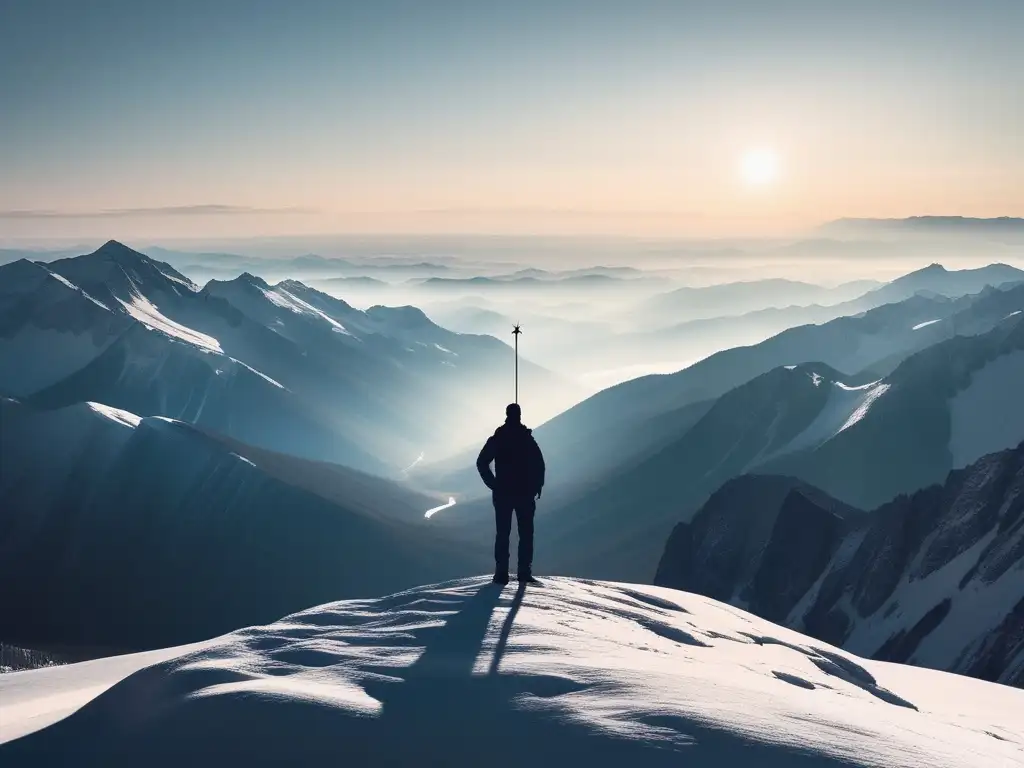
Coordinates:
641	119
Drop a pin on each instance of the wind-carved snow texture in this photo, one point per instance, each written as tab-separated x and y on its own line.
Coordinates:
468	673
989	414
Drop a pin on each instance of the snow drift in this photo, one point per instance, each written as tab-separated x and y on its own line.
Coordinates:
468	673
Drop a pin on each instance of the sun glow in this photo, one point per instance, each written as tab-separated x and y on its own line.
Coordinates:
759	167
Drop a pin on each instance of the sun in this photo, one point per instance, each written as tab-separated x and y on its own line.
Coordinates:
759	167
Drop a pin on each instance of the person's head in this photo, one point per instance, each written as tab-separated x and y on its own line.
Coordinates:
513	413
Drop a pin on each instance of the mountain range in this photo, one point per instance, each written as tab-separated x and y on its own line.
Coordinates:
625	423
861	439
285	367
726	299
688	324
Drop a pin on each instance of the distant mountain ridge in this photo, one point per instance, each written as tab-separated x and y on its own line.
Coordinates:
727	299
926	224
862	440
878	339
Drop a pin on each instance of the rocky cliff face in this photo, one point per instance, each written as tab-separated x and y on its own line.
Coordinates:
935	578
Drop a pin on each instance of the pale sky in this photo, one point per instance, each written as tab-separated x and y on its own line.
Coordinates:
232	117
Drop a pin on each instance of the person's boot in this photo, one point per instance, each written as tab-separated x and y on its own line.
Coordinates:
500	576
525	576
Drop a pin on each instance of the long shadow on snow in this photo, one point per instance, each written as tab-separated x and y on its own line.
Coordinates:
449	708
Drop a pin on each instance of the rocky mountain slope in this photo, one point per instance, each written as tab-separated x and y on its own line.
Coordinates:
935	578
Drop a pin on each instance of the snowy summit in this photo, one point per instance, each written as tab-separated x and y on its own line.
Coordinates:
467	673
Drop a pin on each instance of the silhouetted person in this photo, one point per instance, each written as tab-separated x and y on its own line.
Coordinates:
515	485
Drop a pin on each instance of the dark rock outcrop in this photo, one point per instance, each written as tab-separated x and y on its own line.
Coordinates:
935	578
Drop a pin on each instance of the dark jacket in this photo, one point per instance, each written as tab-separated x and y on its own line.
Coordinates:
518	462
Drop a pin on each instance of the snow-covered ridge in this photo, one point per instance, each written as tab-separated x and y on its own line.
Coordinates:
143	310
287	300
594	673
116	414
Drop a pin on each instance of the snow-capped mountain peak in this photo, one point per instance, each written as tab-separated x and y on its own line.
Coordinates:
288	308
247	278
115	270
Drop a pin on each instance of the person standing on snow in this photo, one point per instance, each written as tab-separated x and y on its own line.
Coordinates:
515	484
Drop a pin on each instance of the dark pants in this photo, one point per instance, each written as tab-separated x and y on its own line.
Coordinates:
524	508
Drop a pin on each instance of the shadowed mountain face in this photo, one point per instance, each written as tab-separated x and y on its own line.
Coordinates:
668	331
683	304
738	308
877	340
49	328
935	578
626	423
874	342
862	441
126	532
284	367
